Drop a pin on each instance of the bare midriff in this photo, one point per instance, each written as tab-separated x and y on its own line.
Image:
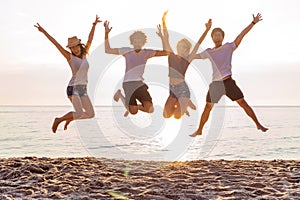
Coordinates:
175	81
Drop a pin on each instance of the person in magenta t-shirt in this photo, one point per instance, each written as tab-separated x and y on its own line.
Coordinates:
136	59
222	83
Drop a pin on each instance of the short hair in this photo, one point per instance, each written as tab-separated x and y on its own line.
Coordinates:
185	42
217	30
139	35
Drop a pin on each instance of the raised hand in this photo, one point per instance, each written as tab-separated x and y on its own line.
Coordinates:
39	27
106	26
97	20
208	24
257	18
159	32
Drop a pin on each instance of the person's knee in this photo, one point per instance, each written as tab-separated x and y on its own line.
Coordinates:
91	114
78	114
148	107
242	103
178	113
167	114
209	106
133	110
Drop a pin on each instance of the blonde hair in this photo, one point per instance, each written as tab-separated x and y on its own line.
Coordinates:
138	35
185	42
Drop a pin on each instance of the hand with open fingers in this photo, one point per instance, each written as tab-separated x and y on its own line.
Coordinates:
97	20
208	24
39	27
107	28
159	32
257	18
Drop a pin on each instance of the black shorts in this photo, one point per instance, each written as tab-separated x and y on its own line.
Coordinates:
180	90
77	90
227	87
136	90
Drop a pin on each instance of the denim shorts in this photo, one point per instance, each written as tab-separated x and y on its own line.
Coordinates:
77	90
180	90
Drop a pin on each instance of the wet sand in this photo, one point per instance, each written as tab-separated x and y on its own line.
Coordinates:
100	178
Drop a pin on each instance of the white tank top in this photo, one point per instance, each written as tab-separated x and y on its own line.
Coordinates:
79	69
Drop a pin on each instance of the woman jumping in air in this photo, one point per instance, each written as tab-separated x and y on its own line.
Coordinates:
77	88
179	98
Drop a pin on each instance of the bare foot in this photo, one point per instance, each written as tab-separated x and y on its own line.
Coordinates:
66	124
187	113
263	129
55	124
117	95
192	105
196	134
126	113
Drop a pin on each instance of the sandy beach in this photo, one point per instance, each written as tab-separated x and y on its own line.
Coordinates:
99	178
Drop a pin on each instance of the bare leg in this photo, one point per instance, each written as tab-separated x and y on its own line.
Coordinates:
204	117
249	111
181	108
146	107
67	117
192	105
67	124
118	95
83	110
169	107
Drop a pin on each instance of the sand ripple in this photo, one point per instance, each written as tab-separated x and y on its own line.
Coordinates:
93	178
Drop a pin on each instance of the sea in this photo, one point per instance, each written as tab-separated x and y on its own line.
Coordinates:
229	134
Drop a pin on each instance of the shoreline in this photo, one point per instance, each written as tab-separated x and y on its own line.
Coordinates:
102	178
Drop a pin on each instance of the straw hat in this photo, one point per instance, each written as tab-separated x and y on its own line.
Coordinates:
73	41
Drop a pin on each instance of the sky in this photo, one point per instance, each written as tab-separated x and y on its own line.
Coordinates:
33	72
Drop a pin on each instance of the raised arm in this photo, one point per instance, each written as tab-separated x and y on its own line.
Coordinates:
165	34
106	41
196	47
91	35
64	52
239	38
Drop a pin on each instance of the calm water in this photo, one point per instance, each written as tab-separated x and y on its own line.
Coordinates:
229	134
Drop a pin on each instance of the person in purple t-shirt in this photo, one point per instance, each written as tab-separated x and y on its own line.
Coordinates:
222	83
133	85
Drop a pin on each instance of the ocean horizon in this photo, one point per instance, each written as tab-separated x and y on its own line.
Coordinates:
26	131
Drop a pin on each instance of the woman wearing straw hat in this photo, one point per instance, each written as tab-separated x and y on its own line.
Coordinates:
77	87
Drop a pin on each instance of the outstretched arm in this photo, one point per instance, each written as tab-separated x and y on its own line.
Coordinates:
239	38
64	52
91	35
165	35
196	47
108	49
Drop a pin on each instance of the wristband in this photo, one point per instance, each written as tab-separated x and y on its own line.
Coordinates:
253	23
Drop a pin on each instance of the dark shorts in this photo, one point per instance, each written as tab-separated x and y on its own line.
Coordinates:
77	90
136	90
227	87
180	90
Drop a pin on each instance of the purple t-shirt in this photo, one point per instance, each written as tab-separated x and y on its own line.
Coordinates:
135	62
220	59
